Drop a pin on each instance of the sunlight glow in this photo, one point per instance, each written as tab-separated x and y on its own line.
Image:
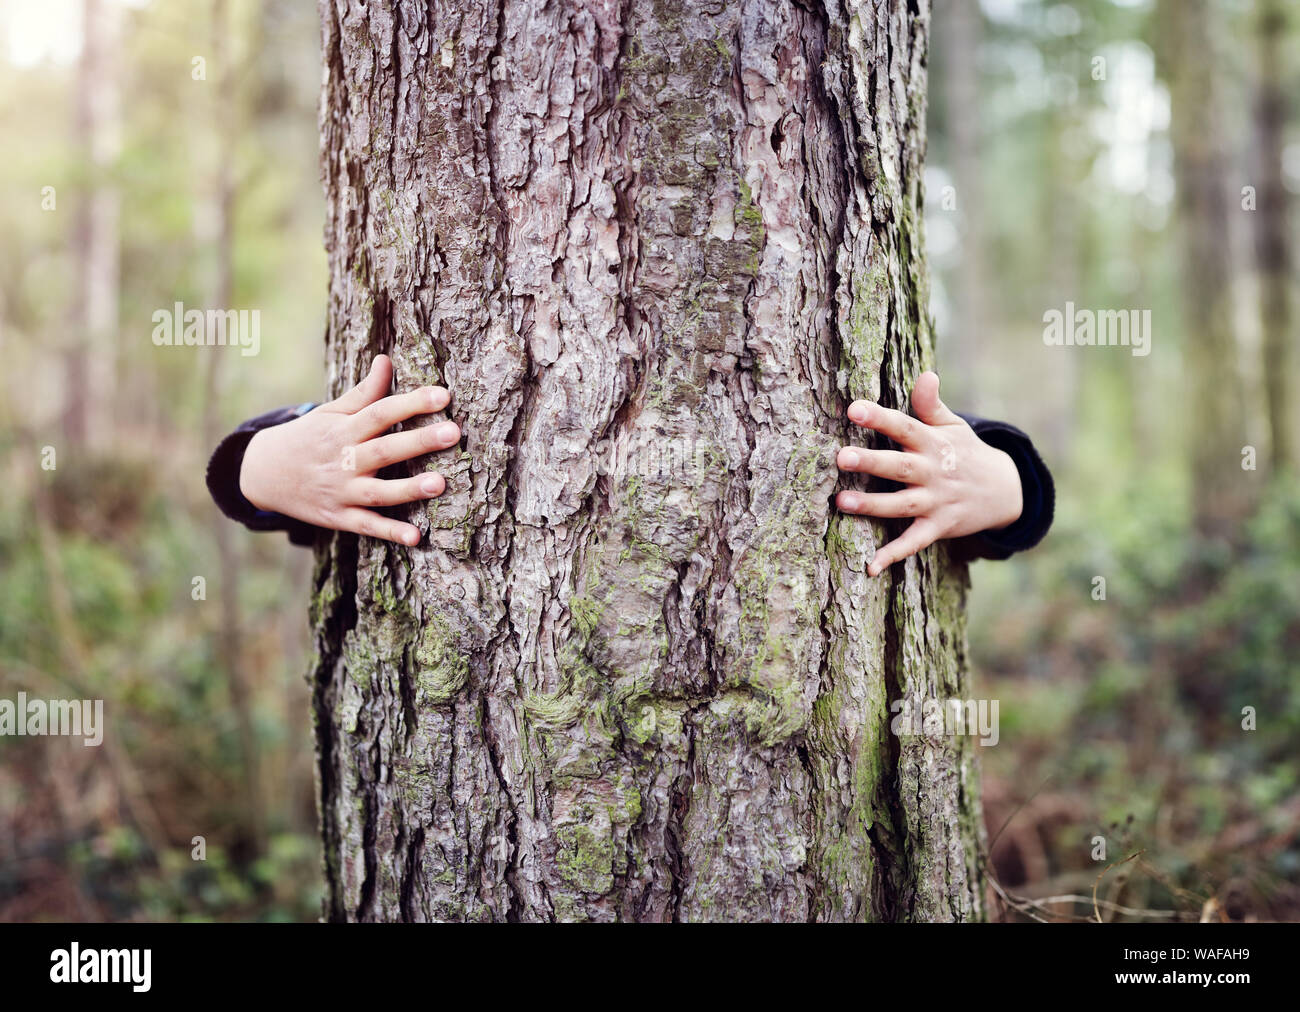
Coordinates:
37	31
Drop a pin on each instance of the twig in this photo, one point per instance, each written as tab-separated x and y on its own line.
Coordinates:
1113	864
1016	811
1119	909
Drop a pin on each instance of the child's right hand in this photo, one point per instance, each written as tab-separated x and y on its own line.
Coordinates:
320	468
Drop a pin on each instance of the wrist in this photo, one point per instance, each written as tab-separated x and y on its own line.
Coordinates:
249	486
1011	498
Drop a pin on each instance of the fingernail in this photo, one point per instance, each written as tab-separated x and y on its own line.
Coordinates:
849	458
858	411
449	432
852	500
431	486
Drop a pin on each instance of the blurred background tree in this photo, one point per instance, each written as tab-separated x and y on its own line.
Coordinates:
1115	143
181	149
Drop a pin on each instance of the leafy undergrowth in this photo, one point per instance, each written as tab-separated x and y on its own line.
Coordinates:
1127	720
98	601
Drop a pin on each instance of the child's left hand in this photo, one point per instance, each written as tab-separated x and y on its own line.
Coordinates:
959	484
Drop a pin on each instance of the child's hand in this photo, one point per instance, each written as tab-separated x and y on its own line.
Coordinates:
959	484
320	468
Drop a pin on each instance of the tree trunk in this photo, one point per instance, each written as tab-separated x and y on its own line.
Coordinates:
89	355
960	22
230	631
1273	233
1220	430
635	669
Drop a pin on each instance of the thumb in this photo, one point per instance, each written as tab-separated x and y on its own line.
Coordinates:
370	389
926	403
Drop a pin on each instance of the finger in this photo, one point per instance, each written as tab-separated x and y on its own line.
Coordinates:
372	525
369	390
385	451
382	415
909	468
917	536
380	492
902	429
910	502
926	403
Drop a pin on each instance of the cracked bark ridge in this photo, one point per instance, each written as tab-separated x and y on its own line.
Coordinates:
635	670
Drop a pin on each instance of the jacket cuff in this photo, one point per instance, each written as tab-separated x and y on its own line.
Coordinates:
1038	493
223	479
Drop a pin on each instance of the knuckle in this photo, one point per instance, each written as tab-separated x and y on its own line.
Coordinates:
906	468
379	459
371	495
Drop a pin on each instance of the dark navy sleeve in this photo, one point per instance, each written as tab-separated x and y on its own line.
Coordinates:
223	479
1038	491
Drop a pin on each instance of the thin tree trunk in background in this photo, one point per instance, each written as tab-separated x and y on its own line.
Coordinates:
1209	347
230	633
89	355
1273	234
958	22
1065	374
635	670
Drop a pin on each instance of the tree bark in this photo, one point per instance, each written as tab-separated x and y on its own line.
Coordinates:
635	669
